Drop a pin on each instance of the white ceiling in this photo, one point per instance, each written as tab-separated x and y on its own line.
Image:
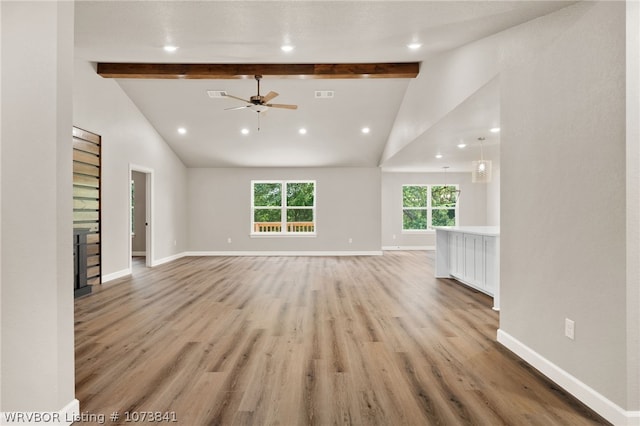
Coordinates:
322	32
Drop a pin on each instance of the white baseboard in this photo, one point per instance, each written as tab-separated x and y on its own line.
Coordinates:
70	412
157	262
590	397
284	253
66	416
115	275
407	248
167	259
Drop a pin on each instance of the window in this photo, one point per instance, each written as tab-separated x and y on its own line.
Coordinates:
425	206
283	207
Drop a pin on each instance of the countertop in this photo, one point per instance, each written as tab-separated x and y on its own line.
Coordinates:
492	231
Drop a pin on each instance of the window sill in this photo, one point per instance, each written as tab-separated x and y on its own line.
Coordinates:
418	231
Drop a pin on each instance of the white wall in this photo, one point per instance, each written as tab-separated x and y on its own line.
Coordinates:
100	106
472	206
37	296
493	198
347	206
633	205
563	199
1	119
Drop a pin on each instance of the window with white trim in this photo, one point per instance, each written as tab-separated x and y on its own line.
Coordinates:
426	206
283	207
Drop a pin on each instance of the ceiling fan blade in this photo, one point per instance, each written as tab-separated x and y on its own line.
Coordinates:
240	99
285	106
270	96
238	107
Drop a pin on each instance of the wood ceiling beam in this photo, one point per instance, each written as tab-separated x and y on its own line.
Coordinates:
232	71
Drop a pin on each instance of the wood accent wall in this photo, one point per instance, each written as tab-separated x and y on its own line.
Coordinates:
86	196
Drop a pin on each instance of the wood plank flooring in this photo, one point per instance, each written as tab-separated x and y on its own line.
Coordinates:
305	341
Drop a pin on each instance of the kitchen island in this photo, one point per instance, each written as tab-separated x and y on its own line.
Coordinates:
470	255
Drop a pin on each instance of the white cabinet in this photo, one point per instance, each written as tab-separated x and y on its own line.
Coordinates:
473	260
491	265
471	256
456	254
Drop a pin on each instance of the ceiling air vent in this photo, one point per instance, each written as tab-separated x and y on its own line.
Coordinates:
324	94
217	93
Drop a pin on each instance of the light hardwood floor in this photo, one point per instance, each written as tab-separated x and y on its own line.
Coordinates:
305	341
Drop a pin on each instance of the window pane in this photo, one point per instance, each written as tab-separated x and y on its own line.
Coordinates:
300	194
267	220
266	215
444	217
299	215
414	196
414	219
267	194
300	220
443	196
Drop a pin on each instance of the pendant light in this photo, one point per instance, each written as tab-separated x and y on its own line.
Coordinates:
449	194
482	168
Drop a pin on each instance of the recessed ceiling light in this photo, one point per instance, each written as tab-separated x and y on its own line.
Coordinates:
182	130
170	48
244	131
438	156
414	45
462	145
286	48
495	130
302	131
365	130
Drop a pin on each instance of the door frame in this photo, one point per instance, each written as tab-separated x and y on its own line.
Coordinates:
148	172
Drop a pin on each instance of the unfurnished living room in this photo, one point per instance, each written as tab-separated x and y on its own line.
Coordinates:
320	212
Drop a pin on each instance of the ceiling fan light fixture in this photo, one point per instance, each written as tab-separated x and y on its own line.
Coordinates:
258	108
257	103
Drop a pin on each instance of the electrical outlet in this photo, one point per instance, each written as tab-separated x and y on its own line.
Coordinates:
393	236
229	240
569	328
350	240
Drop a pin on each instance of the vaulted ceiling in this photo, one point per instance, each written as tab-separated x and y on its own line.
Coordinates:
401	135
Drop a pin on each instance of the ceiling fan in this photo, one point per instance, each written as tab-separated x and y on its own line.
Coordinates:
260	103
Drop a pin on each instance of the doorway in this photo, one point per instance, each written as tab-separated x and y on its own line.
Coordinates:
140	219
